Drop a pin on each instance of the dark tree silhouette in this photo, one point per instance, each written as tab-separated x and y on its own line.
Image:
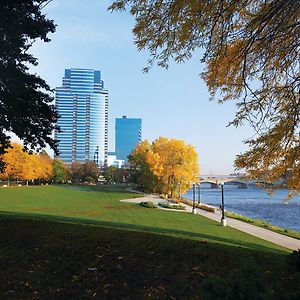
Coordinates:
26	107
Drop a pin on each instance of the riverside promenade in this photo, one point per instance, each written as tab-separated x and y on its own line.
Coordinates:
271	236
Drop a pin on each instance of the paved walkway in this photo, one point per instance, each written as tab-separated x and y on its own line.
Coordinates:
262	233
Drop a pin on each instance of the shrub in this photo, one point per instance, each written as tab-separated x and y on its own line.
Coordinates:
177	201
200	205
148	204
171	206
206	207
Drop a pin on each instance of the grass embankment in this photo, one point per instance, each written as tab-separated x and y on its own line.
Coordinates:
119	256
264	224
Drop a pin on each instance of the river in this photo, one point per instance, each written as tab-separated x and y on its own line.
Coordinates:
254	203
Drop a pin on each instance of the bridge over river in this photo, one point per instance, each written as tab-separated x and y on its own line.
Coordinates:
242	181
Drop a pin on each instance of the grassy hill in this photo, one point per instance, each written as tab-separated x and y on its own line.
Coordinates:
82	242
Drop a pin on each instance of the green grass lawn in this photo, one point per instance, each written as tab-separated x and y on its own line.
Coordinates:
102	207
65	242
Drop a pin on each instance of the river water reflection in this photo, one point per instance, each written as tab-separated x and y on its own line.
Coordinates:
255	203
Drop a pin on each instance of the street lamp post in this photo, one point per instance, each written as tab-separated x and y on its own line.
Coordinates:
223	220
199	194
194	198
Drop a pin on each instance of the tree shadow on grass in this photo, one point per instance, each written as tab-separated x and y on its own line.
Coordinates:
209	238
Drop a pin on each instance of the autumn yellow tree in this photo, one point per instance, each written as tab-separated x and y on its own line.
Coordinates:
14	160
31	168
140	169
20	165
45	165
251	52
169	164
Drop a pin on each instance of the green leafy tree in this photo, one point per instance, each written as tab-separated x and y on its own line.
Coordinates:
25	99
112	174
139	168
109	174
60	171
251	52
123	175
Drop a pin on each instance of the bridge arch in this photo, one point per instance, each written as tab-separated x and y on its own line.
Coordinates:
216	182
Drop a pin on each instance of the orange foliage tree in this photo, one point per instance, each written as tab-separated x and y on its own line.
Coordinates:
45	165
170	165
21	165
14	160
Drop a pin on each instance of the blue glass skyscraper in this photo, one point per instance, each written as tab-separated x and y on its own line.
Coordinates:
82	104
128	135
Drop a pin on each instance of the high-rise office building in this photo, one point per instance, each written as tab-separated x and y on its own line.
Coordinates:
82	104
128	135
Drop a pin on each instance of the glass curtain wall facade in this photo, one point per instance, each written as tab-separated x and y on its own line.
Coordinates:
82	104
128	135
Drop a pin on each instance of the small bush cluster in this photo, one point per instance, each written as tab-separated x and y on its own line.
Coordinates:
206	207
148	204
175	200
200	205
171	206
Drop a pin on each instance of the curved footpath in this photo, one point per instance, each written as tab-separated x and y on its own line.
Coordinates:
262	233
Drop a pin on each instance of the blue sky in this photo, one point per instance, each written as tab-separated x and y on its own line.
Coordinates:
172	103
